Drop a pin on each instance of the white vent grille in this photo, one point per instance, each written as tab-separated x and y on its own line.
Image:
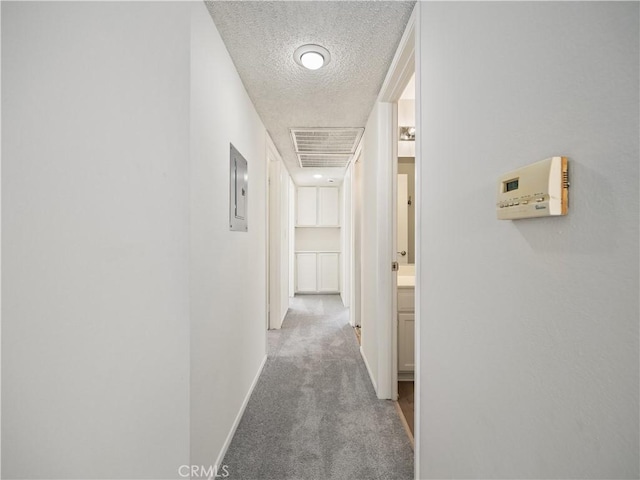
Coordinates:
325	147
324	159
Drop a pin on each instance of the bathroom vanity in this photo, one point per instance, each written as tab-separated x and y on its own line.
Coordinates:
406	322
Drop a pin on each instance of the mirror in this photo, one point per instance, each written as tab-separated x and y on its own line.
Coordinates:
406	210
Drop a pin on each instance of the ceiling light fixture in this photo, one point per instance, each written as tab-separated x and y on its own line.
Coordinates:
312	60
312	56
317	175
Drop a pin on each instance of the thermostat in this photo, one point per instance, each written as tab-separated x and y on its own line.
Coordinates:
537	190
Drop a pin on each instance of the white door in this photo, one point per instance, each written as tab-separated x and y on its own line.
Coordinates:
328	272
306	272
274	245
403	219
306	206
328	206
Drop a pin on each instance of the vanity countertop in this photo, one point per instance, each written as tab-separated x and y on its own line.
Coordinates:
406	281
407	276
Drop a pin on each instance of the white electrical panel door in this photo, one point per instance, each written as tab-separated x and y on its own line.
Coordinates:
306	272
406	342
238	189
328	206
328	272
307	206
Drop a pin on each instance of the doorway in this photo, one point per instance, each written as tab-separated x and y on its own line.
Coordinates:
379	244
405	163
400	321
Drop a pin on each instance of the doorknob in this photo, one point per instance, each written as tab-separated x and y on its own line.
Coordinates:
403	253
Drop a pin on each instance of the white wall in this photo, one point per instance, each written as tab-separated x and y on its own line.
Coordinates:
95	318
273	231
310	239
286	232
529	329
368	257
134	321
406	117
292	229
228	276
357	192
278	238
346	236
0	241
376	250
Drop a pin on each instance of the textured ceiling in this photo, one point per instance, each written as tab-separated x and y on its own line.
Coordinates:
261	36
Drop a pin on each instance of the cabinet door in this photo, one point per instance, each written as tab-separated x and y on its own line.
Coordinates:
406	300
306	272
328	272
328	206
307	206
406	345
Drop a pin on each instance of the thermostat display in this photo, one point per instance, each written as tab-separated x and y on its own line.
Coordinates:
537	190
511	185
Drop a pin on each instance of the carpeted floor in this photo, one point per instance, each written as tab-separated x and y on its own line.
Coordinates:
314	413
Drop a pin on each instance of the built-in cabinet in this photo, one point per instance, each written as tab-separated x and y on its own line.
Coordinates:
328	272
306	272
328	206
307	207
318	207
406	332
317	272
317	240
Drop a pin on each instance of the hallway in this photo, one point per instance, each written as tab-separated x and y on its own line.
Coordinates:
314	413
172	173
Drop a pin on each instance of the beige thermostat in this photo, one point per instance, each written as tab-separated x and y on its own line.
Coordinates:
537	190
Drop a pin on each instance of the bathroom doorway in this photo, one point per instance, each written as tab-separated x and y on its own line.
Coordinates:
405	241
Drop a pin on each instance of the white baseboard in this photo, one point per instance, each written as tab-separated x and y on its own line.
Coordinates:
344	300
280	321
366	364
236	422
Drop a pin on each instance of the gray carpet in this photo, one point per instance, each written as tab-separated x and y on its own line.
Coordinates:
314	414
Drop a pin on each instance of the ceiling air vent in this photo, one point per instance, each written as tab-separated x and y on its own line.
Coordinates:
325	147
324	159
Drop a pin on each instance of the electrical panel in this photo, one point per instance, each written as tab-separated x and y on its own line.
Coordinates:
239	190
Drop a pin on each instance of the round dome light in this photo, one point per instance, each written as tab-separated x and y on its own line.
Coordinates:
312	57
312	60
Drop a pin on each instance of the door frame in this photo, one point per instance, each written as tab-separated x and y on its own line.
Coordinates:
352	245
345	238
406	63
276	250
267	234
273	223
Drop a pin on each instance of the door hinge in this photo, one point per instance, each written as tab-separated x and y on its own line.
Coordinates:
394	266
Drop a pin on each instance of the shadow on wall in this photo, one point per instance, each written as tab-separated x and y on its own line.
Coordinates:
574	233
